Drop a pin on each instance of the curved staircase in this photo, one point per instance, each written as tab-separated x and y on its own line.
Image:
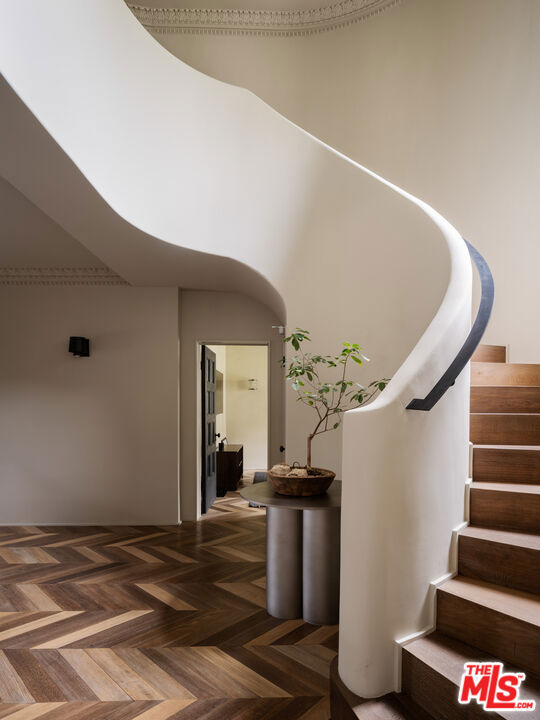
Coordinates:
491	609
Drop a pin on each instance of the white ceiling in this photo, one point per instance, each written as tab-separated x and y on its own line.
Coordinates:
29	238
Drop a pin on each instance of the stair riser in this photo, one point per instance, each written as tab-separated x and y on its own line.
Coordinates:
490	353
435	693
494	465
502	429
504	636
505	399
505	374
505	510
499	563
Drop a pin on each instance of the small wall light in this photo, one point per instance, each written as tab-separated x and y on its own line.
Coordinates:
252	384
79	346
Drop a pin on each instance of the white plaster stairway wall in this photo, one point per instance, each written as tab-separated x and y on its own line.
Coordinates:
173	178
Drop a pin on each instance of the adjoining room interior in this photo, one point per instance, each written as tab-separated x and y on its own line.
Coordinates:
233	421
242	408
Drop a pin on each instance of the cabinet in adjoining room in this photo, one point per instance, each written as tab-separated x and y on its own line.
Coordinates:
230	467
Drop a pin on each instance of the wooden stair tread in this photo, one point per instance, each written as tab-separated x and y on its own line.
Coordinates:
504	537
521	605
506	487
516	374
447	656
505	398
489	353
511	448
498	620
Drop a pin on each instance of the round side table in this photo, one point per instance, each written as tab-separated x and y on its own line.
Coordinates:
302	553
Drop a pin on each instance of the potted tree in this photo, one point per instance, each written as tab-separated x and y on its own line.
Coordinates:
329	401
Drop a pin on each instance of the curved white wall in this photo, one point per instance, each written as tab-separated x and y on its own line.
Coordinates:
439	97
205	176
170	176
404	495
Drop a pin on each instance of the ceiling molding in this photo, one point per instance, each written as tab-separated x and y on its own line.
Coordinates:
59	276
263	23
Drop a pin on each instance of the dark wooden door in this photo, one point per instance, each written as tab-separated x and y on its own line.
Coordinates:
208	374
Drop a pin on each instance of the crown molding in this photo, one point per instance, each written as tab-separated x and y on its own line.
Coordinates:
59	276
264	23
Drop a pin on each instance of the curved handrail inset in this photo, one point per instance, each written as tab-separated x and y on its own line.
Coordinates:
473	338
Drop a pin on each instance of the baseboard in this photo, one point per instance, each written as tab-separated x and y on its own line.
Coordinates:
432	602
467	502
404	641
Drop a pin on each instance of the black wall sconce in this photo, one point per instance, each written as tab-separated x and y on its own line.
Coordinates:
79	346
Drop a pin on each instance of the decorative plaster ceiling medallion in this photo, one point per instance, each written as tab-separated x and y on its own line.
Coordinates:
284	23
59	276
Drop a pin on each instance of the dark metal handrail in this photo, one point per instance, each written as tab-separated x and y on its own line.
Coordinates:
472	341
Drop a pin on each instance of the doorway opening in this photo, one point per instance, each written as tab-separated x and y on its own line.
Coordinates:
235	422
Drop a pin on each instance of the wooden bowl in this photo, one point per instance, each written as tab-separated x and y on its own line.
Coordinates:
302	487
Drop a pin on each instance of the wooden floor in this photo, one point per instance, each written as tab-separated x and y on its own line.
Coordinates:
153	623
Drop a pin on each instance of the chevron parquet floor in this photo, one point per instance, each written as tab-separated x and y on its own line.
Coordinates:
153	623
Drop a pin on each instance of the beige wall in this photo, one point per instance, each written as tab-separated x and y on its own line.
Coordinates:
440	98
247	410
89	440
216	317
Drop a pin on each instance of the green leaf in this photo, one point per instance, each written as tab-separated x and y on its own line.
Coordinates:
357	360
336	425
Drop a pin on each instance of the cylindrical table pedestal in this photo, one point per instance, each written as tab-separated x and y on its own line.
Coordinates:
302	553
320	566
284	562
